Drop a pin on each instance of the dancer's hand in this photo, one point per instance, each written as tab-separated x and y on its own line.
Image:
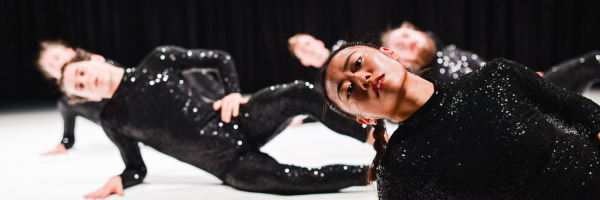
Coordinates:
598	136
59	149
540	73
114	186
230	106
298	120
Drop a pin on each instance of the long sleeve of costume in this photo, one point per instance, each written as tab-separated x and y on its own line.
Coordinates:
575	111
154	105
135	169
201	58
69	124
576	74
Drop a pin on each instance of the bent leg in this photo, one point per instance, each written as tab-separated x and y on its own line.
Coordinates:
576	74
259	172
270	110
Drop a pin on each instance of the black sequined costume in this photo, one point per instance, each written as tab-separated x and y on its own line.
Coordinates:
337	45
450	62
89	110
204	79
501	132
576	74
153	105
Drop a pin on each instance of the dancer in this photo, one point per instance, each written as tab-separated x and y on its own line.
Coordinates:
204	79
309	50
423	50
500	132
52	56
152	104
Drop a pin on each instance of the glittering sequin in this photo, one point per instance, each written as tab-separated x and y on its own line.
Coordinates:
169	117
500	132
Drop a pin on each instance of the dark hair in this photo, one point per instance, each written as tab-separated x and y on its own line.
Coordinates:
378	133
82	55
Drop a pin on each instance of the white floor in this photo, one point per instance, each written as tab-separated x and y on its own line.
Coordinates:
25	174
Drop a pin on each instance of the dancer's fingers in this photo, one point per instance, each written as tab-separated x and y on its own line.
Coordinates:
226	111
217	105
104	194
236	108
59	149
92	195
120	191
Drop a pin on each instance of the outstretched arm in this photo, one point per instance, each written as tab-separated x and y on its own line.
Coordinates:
68	138
135	169
200	58
69	124
576	111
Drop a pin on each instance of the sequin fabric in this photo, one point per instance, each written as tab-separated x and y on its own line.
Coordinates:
451	62
337	45
89	110
500	132
577	74
155	106
205	77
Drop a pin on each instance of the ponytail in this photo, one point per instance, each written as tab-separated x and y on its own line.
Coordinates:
379	146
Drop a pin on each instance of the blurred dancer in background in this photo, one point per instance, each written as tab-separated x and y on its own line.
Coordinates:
152	104
204	79
309	50
420	50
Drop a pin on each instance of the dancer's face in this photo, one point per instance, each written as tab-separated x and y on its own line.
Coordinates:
88	79
54	57
310	51
411	44
365	82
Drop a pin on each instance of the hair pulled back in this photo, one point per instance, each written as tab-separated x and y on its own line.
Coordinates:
379	128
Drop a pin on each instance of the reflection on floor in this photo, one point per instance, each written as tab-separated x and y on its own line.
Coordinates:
24	174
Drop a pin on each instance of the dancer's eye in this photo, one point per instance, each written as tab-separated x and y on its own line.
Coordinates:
358	64
349	91
81	86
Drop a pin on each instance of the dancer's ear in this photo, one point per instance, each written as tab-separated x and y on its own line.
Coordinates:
390	53
364	120
407	64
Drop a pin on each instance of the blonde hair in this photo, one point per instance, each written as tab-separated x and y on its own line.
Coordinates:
386	34
293	41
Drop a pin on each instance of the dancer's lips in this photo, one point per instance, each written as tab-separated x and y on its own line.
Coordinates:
377	84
